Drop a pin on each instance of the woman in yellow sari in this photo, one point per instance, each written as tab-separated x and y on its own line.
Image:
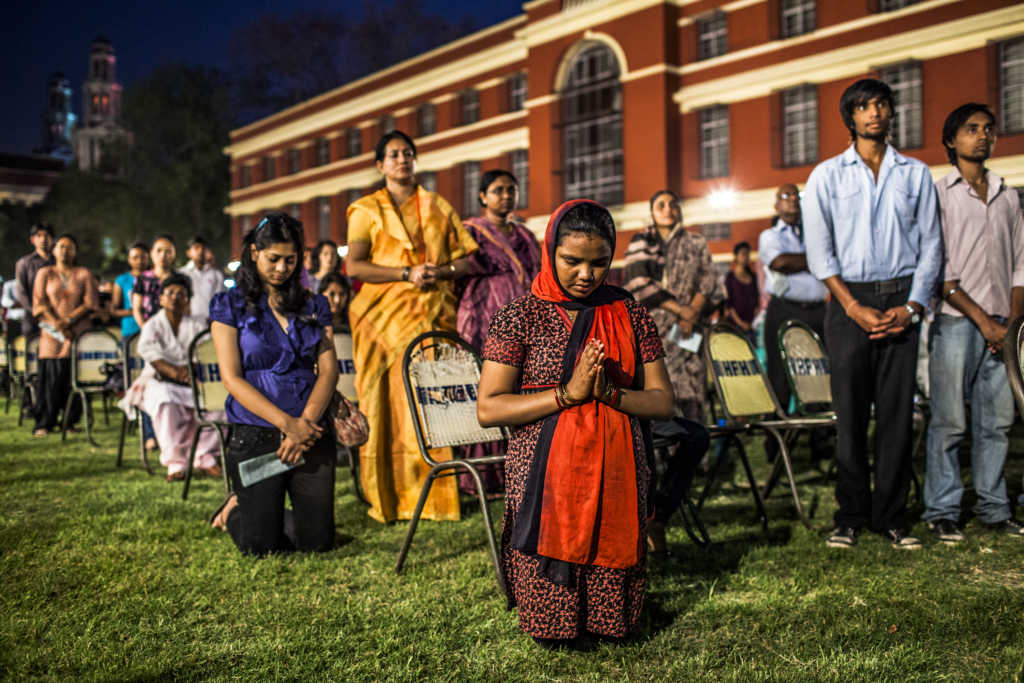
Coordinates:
407	246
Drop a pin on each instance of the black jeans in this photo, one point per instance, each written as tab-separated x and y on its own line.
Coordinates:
779	311
866	372
53	385
260	524
674	475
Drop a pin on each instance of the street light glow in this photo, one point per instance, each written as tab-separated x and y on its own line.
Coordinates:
233	265
724	198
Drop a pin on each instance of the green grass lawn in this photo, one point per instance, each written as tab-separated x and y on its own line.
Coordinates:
107	574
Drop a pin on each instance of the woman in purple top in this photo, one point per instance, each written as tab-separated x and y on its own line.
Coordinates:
741	289
271	334
506	263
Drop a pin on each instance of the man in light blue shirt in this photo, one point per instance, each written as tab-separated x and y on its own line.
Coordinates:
795	295
871	225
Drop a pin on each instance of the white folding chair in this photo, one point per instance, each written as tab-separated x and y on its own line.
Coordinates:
131	367
91	350
208	394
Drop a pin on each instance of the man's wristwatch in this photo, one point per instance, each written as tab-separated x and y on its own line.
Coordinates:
915	317
405	273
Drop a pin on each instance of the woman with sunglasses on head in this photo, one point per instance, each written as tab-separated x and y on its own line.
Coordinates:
576	368
276	354
407	246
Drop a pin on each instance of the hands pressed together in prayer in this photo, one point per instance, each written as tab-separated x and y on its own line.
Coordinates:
687	319
588	379
300	434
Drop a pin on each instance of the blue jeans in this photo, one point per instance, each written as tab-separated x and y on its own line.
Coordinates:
961	367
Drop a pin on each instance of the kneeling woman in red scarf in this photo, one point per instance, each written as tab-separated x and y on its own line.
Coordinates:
576	367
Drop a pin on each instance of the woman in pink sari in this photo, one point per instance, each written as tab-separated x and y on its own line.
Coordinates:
506	263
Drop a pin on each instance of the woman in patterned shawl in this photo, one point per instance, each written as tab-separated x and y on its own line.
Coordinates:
505	265
576	367
407	246
669	271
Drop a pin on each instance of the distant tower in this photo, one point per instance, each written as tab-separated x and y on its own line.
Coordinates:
101	106
59	120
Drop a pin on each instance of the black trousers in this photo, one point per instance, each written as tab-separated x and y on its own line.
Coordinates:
674	474
53	385
260	524
866	372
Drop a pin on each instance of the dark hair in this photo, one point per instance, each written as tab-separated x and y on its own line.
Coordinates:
40	227
862	92
957	118
165	236
177	278
740	245
487	178
589	219
315	256
657	194
196	239
334	279
275	228
139	245
388	137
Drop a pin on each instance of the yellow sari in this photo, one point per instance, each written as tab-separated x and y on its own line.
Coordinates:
385	318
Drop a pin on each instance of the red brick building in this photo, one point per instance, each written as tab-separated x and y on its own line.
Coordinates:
614	99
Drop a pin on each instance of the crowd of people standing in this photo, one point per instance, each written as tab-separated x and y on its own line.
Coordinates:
582	371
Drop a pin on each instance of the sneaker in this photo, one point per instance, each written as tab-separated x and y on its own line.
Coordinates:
842	537
945	530
902	540
1010	527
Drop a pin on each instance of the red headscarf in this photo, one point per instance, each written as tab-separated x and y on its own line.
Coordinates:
581	504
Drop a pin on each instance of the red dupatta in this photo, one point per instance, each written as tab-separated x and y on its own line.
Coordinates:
580	505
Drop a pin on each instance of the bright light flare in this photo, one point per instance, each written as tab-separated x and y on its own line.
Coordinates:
343	251
233	266
722	199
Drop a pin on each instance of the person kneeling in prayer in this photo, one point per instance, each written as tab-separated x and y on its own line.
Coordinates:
163	390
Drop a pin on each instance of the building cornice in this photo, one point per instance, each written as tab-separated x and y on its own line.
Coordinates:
938	40
579	19
472	150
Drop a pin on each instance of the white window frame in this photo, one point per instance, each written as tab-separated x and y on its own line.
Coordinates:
714	141
323	218
520	161
517	91
905	80
712	35
1011	85
323	151
469	106
800	125
797	17
426	114
470	188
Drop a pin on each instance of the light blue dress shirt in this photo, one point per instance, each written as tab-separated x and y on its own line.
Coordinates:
865	231
800	286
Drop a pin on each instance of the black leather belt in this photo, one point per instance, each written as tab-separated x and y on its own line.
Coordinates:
806	305
899	284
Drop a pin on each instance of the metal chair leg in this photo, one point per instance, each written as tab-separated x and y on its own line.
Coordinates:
424	492
88	416
758	502
223	458
142	443
784	455
696	530
191	456
120	440
357	484
64	421
485	510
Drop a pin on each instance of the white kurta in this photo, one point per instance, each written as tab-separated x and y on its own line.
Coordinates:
205	283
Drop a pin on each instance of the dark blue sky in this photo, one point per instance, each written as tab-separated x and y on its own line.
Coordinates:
38	38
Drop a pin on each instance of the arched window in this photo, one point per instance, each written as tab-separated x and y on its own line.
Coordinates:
592	126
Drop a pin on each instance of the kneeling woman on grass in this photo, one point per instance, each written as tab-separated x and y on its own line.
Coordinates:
576	366
270	335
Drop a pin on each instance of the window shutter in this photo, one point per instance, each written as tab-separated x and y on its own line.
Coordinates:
993	91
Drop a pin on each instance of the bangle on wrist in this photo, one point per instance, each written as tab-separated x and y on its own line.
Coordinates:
558	397
405	273
950	293
451	269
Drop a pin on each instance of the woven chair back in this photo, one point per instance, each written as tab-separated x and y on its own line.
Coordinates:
444	379
91	350
5	358
742	385
807	365
210	392
346	365
18	355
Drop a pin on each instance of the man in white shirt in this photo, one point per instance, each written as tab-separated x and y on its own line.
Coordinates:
206	280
